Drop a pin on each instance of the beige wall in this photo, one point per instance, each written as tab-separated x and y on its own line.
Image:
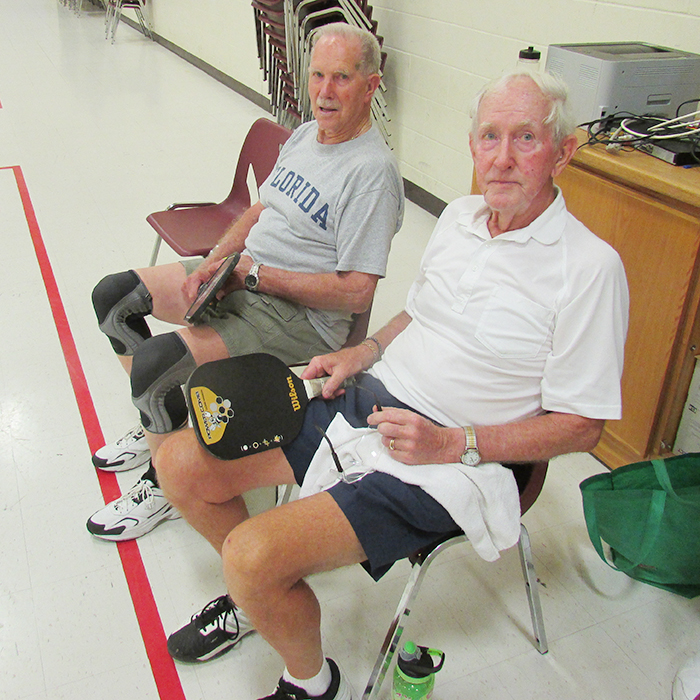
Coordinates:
219	32
440	53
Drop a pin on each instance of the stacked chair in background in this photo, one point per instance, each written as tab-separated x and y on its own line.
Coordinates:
114	14
284	31
77	5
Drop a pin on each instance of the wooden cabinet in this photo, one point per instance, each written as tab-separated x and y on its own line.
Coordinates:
649	211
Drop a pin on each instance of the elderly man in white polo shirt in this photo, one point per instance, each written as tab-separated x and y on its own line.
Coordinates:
510	349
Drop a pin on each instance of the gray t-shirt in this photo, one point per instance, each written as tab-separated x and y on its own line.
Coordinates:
329	208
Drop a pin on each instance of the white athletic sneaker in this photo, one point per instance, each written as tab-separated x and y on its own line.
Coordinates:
134	514
128	452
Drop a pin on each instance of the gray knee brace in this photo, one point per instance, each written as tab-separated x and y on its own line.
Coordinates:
161	366
121	301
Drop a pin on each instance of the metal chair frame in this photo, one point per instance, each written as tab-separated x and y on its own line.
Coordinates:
415	579
530	485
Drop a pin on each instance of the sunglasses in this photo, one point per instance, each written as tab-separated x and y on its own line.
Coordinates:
366	450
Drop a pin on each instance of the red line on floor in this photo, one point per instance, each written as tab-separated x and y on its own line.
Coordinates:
162	665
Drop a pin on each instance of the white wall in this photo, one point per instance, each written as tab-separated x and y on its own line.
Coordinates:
220	32
440	53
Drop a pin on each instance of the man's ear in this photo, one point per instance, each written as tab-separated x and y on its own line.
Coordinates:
372	85
566	153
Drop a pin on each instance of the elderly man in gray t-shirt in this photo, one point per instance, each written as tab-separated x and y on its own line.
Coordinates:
312	250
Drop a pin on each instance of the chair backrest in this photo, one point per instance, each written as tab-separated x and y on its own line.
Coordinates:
530	478
260	149
358	329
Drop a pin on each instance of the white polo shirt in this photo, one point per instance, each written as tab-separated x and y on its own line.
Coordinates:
505	328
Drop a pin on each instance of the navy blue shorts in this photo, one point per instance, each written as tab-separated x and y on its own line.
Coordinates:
391	519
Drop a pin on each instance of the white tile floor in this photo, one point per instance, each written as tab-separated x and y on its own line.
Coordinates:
103	134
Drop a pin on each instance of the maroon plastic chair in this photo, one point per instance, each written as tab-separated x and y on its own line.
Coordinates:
194	228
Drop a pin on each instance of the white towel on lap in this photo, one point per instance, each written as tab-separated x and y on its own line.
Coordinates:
483	500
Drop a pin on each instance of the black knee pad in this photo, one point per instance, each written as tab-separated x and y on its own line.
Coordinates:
121	301
161	366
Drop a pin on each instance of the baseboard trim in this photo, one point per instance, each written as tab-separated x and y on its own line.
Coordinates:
424	199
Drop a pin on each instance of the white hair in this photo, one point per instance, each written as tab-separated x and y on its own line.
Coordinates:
370	53
560	118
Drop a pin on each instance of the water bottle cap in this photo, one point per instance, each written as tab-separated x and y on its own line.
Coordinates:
530	54
410	653
415	662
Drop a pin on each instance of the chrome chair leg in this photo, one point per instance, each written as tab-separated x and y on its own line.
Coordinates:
156	249
393	635
415	579
142	21
284	494
533	593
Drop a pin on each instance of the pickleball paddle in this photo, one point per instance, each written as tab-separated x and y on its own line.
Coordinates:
247	404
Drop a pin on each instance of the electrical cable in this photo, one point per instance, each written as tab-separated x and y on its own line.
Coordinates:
627	131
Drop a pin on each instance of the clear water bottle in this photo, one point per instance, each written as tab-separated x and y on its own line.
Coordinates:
414	675
529	59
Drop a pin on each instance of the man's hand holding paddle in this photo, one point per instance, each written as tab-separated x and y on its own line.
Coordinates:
338	366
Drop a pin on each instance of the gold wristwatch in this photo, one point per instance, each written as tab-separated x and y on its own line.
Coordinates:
471	456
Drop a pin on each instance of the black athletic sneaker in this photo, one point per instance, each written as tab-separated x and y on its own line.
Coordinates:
210	633
339	688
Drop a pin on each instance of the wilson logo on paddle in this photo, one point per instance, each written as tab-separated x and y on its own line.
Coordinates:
296	405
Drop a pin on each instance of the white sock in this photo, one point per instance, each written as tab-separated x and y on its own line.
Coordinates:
317	685
243	625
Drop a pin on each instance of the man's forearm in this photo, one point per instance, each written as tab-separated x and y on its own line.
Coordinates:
233	241
388	332
530	440
369	352
350	291
538	438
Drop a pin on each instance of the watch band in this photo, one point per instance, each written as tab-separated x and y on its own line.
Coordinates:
470	436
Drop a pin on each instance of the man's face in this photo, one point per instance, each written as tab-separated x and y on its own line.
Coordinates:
340	94
515	158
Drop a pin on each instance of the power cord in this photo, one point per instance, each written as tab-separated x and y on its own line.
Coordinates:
627	131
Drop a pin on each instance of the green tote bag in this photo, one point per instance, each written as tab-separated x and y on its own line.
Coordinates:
648	513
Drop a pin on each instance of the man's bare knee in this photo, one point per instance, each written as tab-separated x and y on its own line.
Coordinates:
185	474
247	548
283	545
251	564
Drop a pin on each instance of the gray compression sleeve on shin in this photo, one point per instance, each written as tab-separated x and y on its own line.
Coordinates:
161	366
121	301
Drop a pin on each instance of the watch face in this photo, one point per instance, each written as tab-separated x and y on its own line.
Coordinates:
471	458
251	279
